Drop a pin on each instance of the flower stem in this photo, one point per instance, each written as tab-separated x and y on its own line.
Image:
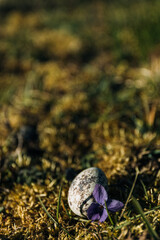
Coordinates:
110	219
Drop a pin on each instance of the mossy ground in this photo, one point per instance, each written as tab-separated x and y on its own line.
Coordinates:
79	87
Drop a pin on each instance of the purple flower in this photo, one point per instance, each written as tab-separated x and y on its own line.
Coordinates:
97	210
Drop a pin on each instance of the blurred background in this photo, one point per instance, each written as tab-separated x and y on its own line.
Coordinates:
73	76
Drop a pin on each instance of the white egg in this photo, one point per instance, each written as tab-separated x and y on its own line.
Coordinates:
80	192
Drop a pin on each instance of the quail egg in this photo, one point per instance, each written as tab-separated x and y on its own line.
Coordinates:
81	189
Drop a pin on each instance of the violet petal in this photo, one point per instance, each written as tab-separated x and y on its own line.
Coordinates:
95	217
94	211
114	205
100	194
103	216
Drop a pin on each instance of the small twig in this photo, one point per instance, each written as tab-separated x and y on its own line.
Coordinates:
81	219
59	202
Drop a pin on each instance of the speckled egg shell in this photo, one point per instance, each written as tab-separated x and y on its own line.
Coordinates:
80	192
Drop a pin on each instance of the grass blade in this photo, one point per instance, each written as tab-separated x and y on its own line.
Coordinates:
110	219
128	222
48	214
145	190
53	220
138	207
130	194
